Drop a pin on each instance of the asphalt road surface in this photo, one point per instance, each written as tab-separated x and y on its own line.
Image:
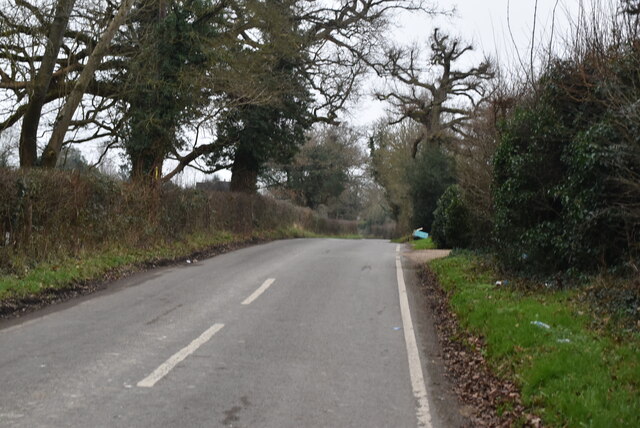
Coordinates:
295	333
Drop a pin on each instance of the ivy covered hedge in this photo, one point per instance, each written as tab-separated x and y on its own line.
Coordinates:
451	225
566	171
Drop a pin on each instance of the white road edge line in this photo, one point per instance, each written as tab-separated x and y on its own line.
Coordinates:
179	356
259	291
415	367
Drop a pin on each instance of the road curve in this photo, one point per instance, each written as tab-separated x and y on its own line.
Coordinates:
294	333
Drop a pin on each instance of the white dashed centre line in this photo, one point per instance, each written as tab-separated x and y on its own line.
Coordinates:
179	356
259	291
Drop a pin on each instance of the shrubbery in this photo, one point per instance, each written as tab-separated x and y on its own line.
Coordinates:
431	173
563	174
451	227
46	215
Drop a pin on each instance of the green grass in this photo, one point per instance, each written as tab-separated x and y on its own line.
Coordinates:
97	265
424	244
402	239
570	374
93	266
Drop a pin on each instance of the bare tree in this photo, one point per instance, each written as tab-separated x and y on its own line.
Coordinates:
63	121
343	42
28	60
40	86
631	7
440	97
390	151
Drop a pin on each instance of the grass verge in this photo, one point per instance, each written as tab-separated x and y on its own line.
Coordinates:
571	373
114	260
424	244
94	266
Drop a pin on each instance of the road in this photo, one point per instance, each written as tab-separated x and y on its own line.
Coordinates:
294	333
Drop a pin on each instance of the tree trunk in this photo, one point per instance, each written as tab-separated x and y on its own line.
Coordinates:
147	167
244	172
31	120
52	151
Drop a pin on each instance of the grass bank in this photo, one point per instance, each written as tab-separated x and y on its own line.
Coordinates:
60	230
49	280
112	261
573	368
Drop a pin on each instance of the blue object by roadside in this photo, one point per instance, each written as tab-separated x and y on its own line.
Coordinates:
418	234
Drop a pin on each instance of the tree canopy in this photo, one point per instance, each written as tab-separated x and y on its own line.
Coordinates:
166	79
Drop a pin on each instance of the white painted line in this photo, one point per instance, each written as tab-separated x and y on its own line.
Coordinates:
176	358
415	367
259	291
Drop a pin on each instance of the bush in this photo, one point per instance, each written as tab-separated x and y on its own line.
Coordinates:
433	171
560	203
50	215
450	228
527	169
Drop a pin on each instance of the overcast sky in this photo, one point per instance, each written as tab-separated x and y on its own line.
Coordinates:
485	24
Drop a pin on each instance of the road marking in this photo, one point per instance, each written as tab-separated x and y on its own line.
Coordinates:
176	358
415	367
11	415
259	291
